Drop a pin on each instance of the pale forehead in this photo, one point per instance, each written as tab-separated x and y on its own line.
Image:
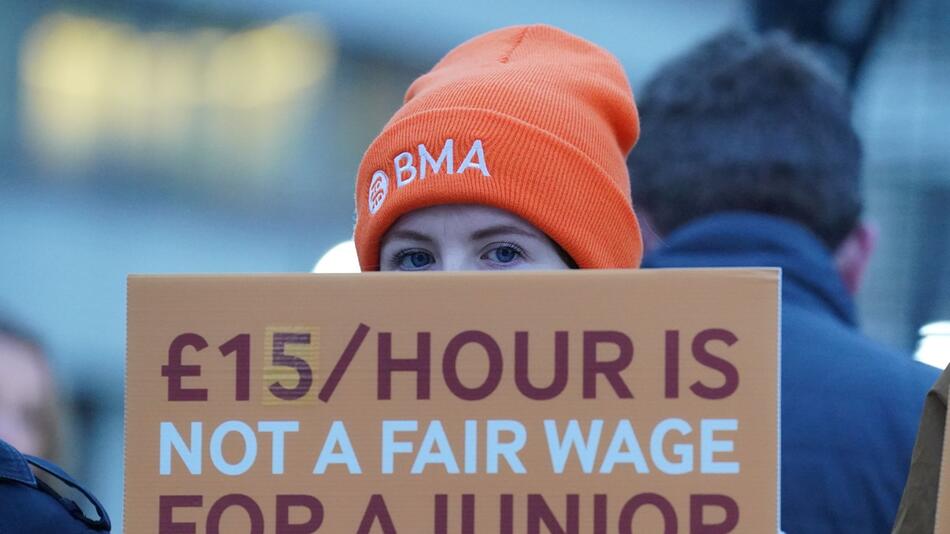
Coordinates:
460	216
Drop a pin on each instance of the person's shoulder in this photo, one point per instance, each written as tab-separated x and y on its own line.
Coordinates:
832	344
13	466
903	376
30	504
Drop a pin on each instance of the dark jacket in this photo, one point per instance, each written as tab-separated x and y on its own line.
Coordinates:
30	505
850	407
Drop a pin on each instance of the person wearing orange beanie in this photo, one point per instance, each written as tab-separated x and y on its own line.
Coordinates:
509	154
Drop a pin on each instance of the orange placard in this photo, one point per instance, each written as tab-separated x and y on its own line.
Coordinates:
563	402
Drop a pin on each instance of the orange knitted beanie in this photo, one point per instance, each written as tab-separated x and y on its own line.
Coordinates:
528	119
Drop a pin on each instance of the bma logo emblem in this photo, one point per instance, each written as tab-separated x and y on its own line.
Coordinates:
408	167
378	189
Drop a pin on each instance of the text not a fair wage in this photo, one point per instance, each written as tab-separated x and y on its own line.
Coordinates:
674	446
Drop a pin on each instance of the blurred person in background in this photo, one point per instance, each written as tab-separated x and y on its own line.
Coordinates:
29	405
509	154
36	495
749	158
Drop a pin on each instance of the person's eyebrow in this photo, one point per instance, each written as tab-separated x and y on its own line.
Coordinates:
410	235
501	229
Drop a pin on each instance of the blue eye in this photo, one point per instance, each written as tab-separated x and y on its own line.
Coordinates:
504	254
414	260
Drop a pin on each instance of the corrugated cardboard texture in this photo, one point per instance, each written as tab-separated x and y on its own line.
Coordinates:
661	313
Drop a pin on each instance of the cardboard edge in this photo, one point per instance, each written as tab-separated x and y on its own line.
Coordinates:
778	403
942	479
762	273
125	407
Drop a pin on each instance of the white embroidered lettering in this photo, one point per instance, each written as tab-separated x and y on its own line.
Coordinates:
470	159
406	170
446	156
404	164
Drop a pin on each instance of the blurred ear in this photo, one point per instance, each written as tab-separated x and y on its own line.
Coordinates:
854	254
651	240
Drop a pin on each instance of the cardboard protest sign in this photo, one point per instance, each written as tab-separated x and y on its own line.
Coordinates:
564	402
942	518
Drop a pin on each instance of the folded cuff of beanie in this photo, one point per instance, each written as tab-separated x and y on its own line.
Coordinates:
496	160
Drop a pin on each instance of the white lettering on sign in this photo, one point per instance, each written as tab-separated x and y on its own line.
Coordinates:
189	451
337	438
504	440
624	448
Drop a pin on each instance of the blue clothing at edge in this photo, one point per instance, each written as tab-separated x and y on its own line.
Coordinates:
30	505
850	408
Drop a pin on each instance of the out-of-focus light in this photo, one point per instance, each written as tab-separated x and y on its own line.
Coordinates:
341	258
97	88
934	346
267	65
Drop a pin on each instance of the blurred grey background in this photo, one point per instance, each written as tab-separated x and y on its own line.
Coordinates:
168	136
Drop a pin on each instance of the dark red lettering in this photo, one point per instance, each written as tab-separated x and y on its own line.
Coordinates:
558	381
240	345
672	364
284	505
440	522
610	369
468	513
376	510
387	365
600	514
697	504
239	500
280	358
539	512
625	525
506	519
343	363
166	510
175	370
729	372
450	365
442	514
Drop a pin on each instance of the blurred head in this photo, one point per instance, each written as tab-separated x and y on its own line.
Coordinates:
751	123
28	405
525	128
